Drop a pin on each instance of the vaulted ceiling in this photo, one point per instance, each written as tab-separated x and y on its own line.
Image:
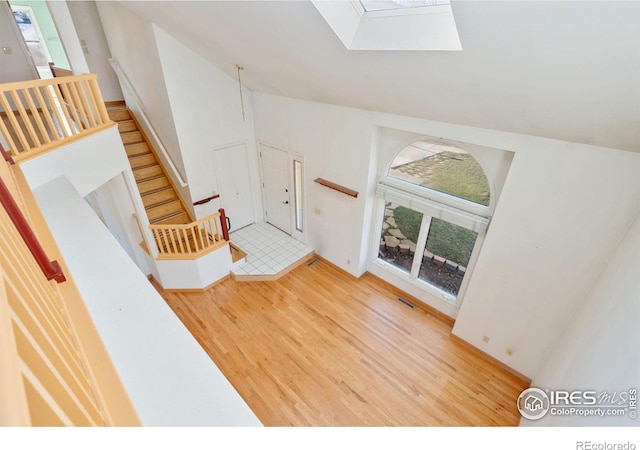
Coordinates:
565	70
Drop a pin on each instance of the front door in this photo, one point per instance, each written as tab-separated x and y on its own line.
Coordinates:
234	186
275	182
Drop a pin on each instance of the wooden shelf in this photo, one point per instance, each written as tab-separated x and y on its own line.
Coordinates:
337	187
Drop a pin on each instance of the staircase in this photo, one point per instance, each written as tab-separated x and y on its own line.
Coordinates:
161	201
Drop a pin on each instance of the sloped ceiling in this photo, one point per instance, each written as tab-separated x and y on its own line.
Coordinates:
564	70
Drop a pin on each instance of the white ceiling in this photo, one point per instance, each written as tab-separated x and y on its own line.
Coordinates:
565	70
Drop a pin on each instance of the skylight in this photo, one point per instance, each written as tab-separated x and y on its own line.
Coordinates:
385	5
392	24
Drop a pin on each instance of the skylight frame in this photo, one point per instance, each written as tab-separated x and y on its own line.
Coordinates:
400	11
430	28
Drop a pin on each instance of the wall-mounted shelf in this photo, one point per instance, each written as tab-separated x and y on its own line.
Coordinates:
337	187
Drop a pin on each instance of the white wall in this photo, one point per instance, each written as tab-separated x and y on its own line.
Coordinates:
99	162
114	204
66	29
205	104
87	163
16	66
599	349
132	42
96	51
336	145
563	209
195	274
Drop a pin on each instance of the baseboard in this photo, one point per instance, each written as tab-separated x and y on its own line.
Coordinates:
163	290
495	361
406	296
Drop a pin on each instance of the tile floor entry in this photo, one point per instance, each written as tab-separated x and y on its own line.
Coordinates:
269	250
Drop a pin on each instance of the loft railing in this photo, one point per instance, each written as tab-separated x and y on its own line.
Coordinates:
192	240
54	370
40	115
50	269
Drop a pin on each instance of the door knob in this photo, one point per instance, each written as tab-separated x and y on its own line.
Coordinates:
285	203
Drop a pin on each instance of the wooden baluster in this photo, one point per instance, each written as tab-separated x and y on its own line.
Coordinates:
7	136
217	237
180	240
96	96
174	244
88	105
67	105
46	113
36	115
24	116
15	124
201	242
57	89
76	106
50	101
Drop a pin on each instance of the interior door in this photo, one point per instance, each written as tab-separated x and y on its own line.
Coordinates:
234	186
275	182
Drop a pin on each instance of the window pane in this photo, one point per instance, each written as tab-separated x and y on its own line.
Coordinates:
444	168
399	236
447	255
297	192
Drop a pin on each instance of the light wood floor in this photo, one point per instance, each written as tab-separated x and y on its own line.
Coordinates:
320	348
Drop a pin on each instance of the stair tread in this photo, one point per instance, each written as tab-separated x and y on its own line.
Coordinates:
164	209
147	172
159	196
148	185
145	160
161	201
132	137
137	148
118	115
126	126
172	219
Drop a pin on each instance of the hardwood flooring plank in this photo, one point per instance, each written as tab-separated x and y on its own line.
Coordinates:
320	348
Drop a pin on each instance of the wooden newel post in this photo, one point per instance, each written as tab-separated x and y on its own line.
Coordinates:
223	224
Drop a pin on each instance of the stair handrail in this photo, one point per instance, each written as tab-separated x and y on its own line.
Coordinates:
50	268
122	76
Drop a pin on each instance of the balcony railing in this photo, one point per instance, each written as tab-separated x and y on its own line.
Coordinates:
40	115
192	240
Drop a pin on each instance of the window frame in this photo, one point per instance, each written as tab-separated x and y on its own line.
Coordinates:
430	195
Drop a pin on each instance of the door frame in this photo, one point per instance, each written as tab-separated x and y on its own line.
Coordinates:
247	154
6	8
291	157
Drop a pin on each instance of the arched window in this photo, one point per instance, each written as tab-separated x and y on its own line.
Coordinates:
437	200
444	168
